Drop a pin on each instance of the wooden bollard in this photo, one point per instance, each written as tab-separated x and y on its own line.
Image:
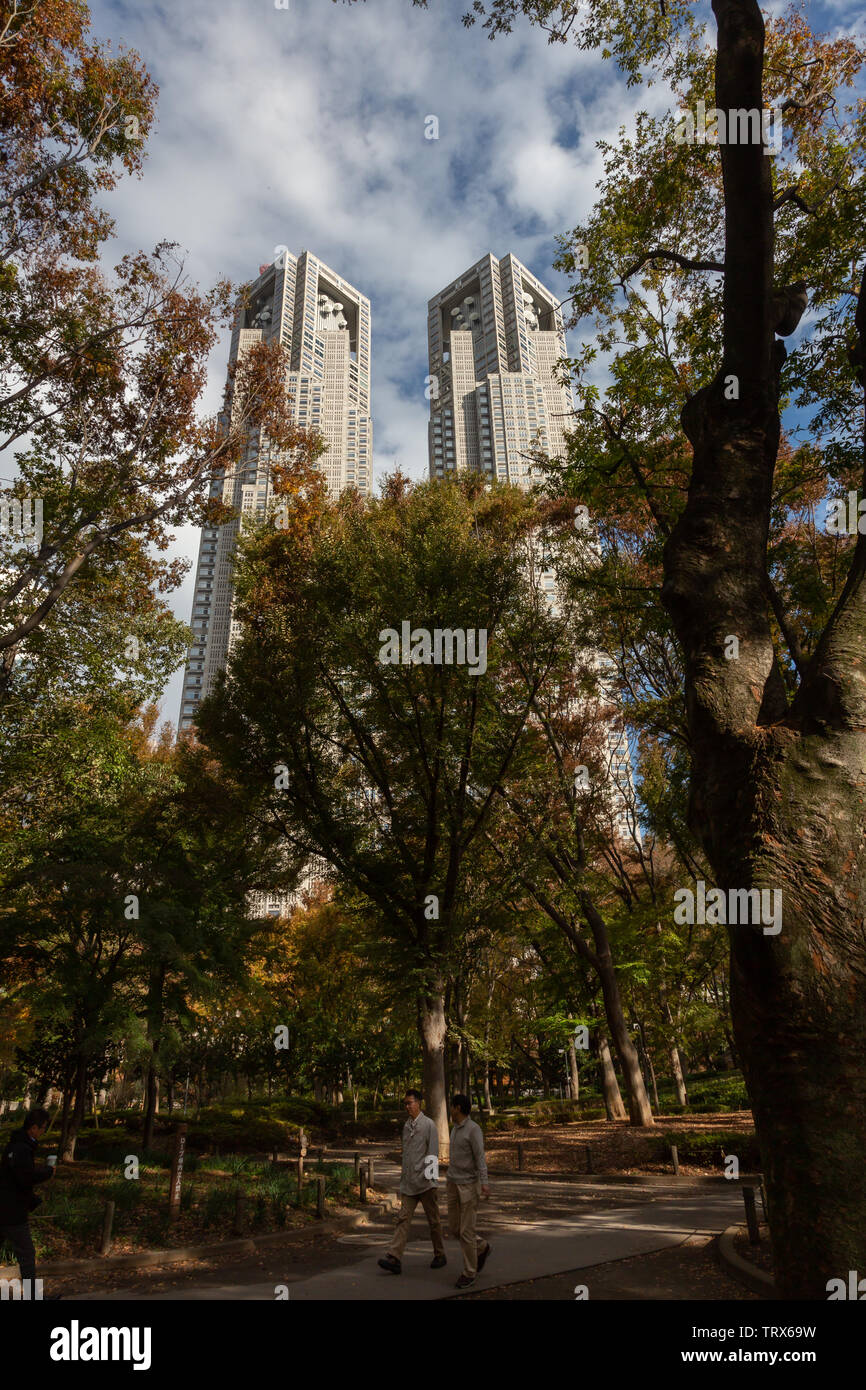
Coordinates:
751	1215
520	1157
589	1158
357	1166
370	1173
240	1211
362	1184
300	1179
676	1160
107	1223
320	1196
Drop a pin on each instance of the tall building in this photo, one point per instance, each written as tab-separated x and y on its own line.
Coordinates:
494	335
325	323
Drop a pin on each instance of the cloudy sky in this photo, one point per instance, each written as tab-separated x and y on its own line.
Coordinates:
305	127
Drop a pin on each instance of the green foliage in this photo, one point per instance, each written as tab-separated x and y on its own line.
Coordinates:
720	1093
706	1149
239	1132
442	556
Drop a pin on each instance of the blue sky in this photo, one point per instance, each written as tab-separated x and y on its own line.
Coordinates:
305	127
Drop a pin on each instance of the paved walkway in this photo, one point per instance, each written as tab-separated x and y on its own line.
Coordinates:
535	1228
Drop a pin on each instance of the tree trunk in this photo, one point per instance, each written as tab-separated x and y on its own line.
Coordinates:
65	1109
650	1068
573	1073
431	1030
777	792
677	1067
488	1103
731	1053
677	1073
154	1007
639	1109
609	1084
67	1154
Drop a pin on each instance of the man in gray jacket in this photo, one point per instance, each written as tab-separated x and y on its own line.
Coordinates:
467	1179
417	1184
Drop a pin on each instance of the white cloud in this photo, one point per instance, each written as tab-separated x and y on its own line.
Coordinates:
306	127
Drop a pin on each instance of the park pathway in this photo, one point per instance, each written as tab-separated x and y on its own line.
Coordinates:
536	1228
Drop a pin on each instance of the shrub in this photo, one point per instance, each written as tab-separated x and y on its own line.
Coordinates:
124	1193
708	1094
219	1207
239	1131
696	1146
77	1211
306	1114
495	1123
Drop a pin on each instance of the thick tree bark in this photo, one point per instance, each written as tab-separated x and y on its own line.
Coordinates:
778	793
431	1030
609	1085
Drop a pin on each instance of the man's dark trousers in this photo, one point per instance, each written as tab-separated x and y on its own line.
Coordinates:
21	1240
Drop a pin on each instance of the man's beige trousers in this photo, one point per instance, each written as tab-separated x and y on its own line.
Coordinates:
408	1202
462	1213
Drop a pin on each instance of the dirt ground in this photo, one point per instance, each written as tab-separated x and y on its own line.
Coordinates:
616	1146
689	1273
760	1254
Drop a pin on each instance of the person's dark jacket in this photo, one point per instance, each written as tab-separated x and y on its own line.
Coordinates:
19	1175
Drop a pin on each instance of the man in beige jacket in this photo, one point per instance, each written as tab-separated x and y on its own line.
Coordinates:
467	1178
418	1183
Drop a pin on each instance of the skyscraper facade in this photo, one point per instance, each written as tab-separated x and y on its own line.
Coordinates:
324	322
494	335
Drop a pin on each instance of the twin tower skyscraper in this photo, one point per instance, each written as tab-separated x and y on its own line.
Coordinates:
494	335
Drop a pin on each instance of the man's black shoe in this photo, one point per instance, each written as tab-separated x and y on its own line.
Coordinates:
464	1281
482	1258
438	1261
393	1266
